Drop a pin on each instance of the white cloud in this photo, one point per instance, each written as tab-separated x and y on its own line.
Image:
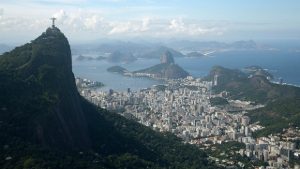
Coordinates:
1	12
130	27
79	20
89	23
178	26
151	27
92	22
61	15
118	28
145	24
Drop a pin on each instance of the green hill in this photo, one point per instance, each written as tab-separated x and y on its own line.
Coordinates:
45	123
282	101
255	88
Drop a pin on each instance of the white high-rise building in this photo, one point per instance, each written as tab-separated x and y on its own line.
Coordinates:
216	80
247	132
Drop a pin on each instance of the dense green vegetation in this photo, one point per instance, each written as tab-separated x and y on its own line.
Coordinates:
229	151
255	88
257	70
218	101
277	115
45	123
160	87
282	101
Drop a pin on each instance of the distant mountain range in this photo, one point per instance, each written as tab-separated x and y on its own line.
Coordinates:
214	45
128	51
117	57
121	54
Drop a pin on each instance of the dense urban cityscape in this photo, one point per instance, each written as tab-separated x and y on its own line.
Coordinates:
183	107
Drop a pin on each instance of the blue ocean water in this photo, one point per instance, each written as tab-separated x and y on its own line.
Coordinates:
282	64
96	70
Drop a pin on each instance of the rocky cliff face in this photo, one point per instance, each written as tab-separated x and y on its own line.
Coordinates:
167	58
166	69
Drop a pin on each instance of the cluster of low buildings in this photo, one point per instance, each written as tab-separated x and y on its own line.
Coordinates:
272	149
86	83
182	106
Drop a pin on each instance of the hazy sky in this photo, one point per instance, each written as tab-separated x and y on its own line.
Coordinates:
86	20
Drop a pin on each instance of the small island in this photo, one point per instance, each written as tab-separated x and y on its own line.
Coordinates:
117	69
195	55
89	58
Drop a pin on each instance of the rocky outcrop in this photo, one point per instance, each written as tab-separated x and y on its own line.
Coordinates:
166	70
167	58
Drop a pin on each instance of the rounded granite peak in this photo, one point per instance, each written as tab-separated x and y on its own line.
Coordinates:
52	48
167	58
53	29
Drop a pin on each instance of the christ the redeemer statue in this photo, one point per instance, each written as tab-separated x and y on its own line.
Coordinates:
53	21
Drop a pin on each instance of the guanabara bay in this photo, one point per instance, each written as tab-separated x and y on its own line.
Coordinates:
45	123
